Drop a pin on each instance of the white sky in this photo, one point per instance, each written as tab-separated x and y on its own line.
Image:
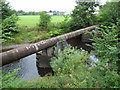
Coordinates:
44	5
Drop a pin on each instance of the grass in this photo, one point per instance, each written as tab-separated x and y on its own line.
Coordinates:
28	30
27	35
32	20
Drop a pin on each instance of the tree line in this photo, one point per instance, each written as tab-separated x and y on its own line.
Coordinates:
21	12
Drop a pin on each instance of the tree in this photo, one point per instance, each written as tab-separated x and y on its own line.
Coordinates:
9	21
50	11
20	12
6	10
83	15
109	13
44	20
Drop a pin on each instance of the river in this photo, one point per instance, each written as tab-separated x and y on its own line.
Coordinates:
27	65
28	69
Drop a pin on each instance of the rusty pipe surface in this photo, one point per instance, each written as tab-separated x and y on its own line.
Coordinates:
18	53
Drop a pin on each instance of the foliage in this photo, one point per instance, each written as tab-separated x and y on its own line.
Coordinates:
44	21
9	79
9	21
83	15
0	79
9	27
27	35
108	48
61	63
72	70
109	13
6	10
55	32
65	25
20	12
61	27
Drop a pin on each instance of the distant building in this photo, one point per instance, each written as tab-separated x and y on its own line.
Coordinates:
59	13
67	13
55	13
50	13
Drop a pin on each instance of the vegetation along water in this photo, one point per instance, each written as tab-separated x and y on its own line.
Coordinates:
72	67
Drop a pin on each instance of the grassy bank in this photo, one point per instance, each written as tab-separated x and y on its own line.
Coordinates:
30	32
27	35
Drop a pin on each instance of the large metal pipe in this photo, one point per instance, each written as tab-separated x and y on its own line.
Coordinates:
18	53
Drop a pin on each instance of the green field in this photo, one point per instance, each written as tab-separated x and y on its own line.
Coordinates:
31	20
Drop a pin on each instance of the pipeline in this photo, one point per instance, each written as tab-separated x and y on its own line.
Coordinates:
18	53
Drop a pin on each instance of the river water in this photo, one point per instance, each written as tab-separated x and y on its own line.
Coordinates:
27	65
28	69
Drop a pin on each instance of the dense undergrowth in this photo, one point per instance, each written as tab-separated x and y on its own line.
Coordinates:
74	69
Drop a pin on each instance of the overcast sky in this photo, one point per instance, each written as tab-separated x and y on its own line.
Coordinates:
43	5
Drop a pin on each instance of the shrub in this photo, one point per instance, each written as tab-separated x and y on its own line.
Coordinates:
0	79
109	13
60	28
83	15
9	79
65	25
44	21
9	27
62	63
9	21
55	32
6	10
107	48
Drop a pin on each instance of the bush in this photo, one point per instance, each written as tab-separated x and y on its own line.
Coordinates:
6	10
60	28
107	47
109	13
9	27
44	21
83	15
62	63
65	25
9	21
9	79
55	32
